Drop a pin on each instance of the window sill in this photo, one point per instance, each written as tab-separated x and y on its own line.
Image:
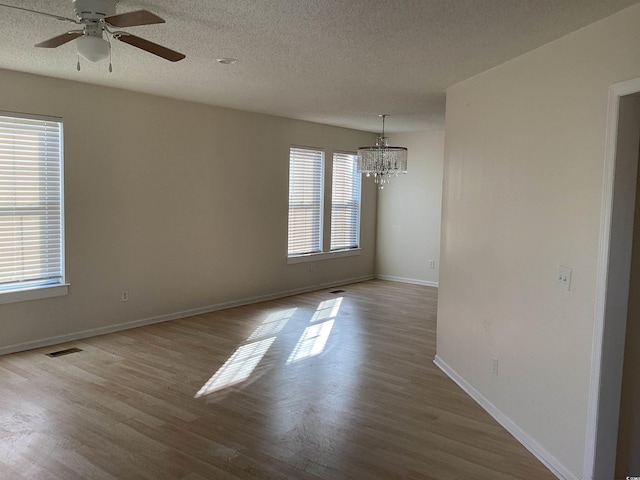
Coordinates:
314	257
35	293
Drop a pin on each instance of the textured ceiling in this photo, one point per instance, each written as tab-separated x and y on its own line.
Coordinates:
338	62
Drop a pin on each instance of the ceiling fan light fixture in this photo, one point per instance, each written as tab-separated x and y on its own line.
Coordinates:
93	48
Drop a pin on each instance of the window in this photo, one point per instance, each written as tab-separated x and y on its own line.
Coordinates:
306	172
31	204
345	202
306	200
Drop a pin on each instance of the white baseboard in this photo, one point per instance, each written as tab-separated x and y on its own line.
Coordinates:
529	443
390	278
70	337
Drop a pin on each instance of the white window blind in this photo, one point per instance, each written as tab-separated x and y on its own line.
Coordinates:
345	202
31	231
306	171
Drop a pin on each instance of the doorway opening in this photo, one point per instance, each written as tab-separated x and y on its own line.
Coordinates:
614	274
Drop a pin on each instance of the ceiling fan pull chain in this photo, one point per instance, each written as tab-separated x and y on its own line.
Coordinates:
78	66
110	66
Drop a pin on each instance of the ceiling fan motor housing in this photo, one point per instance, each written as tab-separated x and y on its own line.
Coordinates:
94	10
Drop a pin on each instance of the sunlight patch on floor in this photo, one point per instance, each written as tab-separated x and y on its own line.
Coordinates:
273	324
327	309
238	367
241	364
314	339
247	356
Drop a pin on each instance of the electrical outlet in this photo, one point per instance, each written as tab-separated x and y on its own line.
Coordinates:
564	277
494	365
432	264
125	296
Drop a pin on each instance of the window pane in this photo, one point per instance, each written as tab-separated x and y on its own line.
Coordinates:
306	167
345	202
31	250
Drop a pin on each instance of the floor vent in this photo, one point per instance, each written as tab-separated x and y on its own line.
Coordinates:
337	291
66	351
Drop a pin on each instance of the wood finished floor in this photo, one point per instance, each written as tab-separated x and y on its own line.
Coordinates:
338	386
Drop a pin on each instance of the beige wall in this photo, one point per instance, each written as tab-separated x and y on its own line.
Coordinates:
184	205
523	185
408	233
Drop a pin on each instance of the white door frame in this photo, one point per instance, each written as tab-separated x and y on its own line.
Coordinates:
614	263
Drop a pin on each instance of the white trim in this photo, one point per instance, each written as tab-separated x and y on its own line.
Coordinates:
601	282
313	257
31	116
35	293
414	281
519	434
45	342
615	92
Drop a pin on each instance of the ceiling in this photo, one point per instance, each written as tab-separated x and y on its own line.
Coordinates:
337	62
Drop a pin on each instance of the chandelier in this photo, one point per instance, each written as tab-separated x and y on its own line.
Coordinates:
382	161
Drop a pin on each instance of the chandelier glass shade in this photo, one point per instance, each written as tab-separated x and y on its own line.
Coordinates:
382	161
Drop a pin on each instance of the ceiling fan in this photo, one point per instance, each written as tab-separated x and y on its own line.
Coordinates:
98	19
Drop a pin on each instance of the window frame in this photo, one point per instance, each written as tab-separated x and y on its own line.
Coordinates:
23	290
356	190
324	253
315	206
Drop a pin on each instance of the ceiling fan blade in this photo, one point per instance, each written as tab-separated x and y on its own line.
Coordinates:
148	46
133	19
57	17
60	39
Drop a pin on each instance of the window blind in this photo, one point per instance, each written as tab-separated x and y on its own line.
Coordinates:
31	232
345	202
306	171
